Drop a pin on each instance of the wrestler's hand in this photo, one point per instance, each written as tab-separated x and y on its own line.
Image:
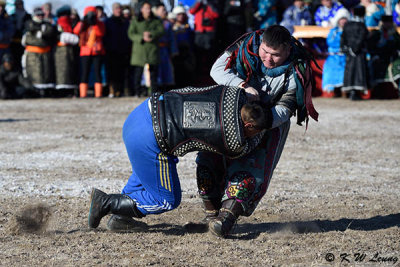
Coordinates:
252	94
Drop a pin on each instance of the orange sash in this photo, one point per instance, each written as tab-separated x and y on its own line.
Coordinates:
37	49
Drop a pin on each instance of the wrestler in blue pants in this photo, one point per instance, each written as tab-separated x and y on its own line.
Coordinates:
154	183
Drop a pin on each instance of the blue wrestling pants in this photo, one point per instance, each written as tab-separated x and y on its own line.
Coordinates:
154	183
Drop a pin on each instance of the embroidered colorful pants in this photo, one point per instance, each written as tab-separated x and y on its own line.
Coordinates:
245	179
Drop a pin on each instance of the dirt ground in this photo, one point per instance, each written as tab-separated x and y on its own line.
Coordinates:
333	200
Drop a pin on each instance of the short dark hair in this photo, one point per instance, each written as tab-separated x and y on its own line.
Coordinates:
276	35
255	113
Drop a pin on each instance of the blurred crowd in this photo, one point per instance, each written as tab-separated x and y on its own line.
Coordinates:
156	45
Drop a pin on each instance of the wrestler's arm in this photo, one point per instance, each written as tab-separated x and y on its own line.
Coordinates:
224	77
230	77
286	105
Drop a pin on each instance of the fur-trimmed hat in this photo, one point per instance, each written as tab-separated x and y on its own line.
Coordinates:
178	10
340	14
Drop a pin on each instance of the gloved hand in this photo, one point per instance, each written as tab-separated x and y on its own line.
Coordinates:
69	38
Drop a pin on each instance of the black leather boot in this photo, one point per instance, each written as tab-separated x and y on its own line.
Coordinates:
226	219
103	204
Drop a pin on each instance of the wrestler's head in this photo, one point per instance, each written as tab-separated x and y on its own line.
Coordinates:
254	117
275	46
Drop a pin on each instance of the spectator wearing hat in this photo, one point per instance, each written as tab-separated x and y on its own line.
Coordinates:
185	62
38	61
90	31
66	61
384	48
12	84
145	32
118	47
295	15
354	44
326	12
333	69
7	29
19	18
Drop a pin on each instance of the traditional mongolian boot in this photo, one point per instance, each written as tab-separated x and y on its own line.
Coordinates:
228	214
102	204
211	209
83	88
98	89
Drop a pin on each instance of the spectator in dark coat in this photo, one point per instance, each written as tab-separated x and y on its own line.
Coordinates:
354	44
237	19
118	47
6	29
20	17
384	48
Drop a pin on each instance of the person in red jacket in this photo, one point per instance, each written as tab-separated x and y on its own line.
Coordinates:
205	27
91	32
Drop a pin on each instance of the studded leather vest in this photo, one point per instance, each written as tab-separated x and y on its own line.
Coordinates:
199	119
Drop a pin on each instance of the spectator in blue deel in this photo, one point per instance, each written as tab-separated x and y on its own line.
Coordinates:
168	50
296	14
118	47
333	71
373	13
354	44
